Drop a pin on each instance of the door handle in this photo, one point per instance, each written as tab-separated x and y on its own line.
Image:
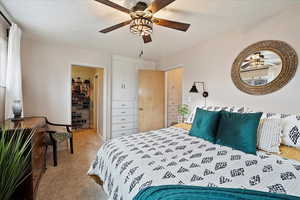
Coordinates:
141	109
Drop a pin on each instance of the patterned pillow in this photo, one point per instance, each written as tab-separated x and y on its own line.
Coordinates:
291	128
219	108
191	117
269	135
242	109
291	132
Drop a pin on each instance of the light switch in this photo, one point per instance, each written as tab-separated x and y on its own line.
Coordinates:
189	99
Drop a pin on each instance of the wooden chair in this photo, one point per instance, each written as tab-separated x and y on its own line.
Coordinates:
55	137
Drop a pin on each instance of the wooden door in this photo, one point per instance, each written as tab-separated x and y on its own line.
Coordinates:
151	100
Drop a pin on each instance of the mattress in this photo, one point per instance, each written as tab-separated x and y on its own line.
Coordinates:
171	157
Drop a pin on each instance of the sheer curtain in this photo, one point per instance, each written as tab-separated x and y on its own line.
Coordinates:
3	58
13	71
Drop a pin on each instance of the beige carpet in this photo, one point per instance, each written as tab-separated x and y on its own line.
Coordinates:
69	181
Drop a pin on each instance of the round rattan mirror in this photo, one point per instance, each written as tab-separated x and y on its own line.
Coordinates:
264	67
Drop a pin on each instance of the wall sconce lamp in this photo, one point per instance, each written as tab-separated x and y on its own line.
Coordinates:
195	90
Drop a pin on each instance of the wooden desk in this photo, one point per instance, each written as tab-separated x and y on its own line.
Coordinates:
28	190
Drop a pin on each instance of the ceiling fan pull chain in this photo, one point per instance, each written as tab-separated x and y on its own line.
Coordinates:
142	49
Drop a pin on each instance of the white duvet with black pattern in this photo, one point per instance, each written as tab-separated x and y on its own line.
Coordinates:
170	156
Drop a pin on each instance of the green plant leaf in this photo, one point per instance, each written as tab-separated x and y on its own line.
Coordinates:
15	152
183	109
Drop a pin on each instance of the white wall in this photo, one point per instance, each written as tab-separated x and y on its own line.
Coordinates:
211	62
47	79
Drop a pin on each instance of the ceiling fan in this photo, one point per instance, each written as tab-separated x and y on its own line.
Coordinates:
142	18
258	59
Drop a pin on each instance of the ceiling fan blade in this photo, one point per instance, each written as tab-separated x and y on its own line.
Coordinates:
147	39
156	5
114	5
109	29
172	24
245	65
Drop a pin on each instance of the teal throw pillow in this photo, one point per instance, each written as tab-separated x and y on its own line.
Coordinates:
205	125
238	131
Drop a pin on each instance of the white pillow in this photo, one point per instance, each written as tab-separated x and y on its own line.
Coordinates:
269	134
291	131
237	109
191	117
242	109
291	128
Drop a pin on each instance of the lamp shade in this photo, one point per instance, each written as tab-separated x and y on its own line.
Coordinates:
194	89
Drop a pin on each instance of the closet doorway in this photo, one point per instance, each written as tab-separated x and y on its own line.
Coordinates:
173	95
87	98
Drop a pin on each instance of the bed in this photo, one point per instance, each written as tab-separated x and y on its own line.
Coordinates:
170	156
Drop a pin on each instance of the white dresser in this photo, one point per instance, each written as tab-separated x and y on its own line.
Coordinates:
124	97
124	118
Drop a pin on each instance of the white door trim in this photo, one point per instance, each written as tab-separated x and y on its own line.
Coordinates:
105	96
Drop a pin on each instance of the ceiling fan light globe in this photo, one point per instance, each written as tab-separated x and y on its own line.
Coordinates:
141	14
141	26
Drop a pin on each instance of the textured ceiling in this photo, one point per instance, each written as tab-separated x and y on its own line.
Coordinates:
77	22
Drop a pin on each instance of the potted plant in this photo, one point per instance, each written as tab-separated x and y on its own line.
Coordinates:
15	152
183	110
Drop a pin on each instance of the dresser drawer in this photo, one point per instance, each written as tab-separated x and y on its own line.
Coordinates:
122	112
124	133
122	119
122	127
116	134
122	104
